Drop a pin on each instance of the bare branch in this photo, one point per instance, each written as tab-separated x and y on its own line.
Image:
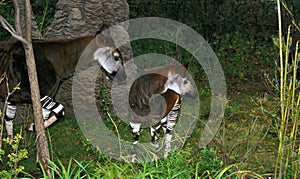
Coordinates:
116	127
28	21
17	17
11	30
7	26
42	143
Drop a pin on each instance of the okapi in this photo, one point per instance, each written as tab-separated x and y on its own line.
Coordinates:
55	60
147	110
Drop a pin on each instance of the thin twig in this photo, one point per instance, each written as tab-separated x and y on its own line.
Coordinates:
11	30
9	93
2	114
17	18
255	145
116	127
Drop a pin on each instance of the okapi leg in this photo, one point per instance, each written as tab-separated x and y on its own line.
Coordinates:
50	105
172	118
136	127
154	132
10	114
46	114
48	121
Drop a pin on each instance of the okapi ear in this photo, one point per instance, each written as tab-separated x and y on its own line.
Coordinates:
104	30
186	65
173	62
103	37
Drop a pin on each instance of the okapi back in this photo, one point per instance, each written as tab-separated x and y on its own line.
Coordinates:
13	64
55	60
141	91
148	101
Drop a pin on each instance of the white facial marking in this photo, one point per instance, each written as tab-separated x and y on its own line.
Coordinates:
110	61
178	84
116	55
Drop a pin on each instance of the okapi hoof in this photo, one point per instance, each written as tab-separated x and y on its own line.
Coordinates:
47	123
155	144
31	127
50	121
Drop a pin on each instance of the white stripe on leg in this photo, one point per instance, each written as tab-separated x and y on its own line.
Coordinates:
10	114
168	139
136	127
10	110
9	128
46	113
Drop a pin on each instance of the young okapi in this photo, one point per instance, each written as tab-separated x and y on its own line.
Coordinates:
55	60
154	100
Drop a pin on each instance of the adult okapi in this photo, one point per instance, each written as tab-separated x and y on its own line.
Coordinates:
55	60
155	98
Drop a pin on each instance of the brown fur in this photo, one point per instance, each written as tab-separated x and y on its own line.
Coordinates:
58	57
148	85
141	91
173	66
63	54
171	97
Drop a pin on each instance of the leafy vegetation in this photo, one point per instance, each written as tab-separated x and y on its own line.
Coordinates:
287	127
12	167
6	9
43	11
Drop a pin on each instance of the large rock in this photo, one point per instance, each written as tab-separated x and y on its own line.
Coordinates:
35	30
75	18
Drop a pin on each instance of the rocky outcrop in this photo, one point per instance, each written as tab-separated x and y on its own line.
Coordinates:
35	30
75	18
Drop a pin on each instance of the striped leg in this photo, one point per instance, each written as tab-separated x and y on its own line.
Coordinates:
10	114
50	105
154	132
169	127
136	127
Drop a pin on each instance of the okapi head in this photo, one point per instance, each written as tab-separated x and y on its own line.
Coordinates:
108	55
181	85
177	75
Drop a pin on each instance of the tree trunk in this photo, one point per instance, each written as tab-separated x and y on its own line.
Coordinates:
43	150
